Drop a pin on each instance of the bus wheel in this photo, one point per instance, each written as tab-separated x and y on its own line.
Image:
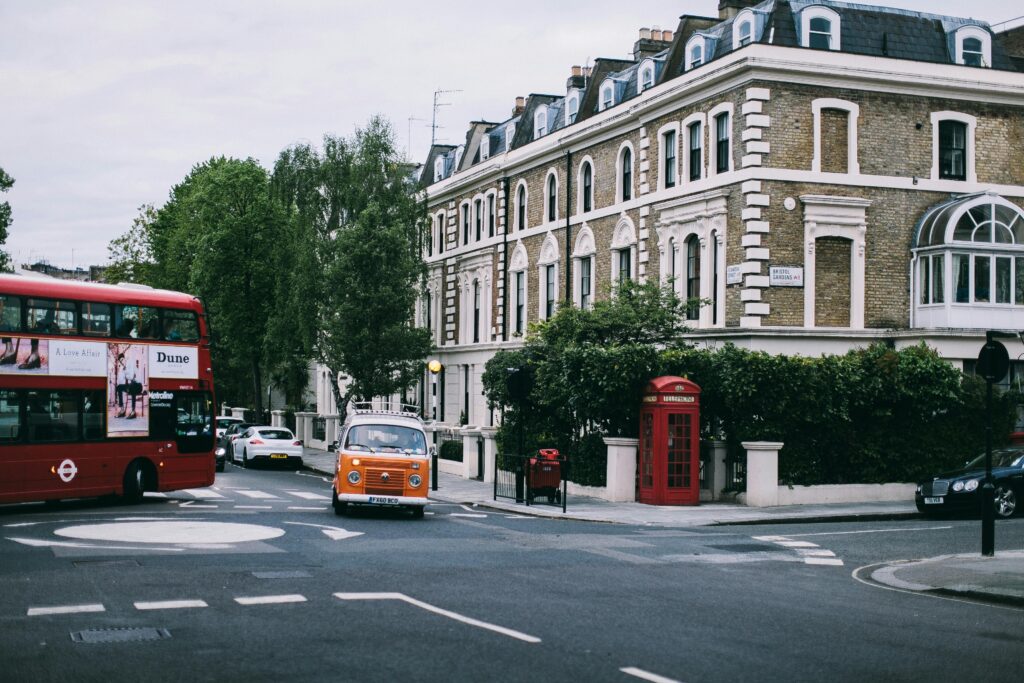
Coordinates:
340	508
417	512
134	483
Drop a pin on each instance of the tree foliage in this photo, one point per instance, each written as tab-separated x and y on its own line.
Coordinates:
6	183
131	254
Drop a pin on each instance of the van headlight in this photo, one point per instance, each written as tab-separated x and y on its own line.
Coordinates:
415	480
353	477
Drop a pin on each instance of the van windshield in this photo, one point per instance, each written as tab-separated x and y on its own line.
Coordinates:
385	439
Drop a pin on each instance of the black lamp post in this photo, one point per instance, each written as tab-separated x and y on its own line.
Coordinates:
993	364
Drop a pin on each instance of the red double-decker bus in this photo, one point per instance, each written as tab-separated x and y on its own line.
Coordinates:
103	390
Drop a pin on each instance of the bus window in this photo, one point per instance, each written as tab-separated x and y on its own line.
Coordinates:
52	416
46	316
10	416
94	415
96	319
137	322
194	429
10	313
180	326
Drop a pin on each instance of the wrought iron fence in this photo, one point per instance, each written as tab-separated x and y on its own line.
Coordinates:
735	472
319	428
531	479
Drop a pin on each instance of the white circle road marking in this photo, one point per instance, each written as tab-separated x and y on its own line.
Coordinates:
172	532
67	470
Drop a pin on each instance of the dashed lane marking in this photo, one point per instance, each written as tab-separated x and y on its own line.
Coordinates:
254	507
270	599
64	609
646	675
260	495
518	635
170	604
306	509
466	514
308	495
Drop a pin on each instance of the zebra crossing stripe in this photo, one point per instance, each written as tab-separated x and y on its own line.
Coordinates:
202	493
259	495
308	495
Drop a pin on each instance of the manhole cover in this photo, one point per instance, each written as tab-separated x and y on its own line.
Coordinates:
282	575
748	548
119	635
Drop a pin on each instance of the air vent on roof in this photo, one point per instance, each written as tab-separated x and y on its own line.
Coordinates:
133	285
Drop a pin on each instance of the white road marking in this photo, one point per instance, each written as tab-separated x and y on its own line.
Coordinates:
810	552
254	507
332	532
834	561
191	531
39	543
646	675
467	508
261	495
191	504
270	599
296	507
64	609
443	612
815	552
308	495
872	531
155	494
22	524
796	544
465	514
202	493
170	604
773	539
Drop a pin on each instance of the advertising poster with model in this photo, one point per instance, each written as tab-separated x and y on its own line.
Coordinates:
127	390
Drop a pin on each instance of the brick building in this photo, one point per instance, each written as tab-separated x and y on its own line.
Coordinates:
823	174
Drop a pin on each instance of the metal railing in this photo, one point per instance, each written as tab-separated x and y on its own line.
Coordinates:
531	479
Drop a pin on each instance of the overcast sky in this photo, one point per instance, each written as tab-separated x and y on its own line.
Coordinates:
105	105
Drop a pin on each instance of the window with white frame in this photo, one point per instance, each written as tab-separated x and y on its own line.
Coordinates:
623	251
953	146
540	122
722	150
669	170
586	183
551	197
607	95
852	110
694	52
475	304
583	269
438	168
624	173
518	268
713	276
428	243
646	75
572	107
491	214
547	278
521	206
973	46
743	29
465	223
476	311
439	221
695	160
510	133
478	215
693	277
819	28
485	146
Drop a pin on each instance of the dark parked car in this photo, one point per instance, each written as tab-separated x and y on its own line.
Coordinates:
960	490
225	442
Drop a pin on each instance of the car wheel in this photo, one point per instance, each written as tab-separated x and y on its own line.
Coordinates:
1005	501
340	508
231	455
134	483
220	467
417	512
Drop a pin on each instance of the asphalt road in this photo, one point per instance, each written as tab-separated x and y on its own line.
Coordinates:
257	580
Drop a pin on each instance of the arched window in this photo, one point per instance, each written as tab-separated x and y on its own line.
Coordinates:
973	46
646	75
518	270
540	122
476	311
953	148
693	277
607	95
626	174
552	198
744	33
696	55
521	207
587	186
465	223
819	28
478	212
572	107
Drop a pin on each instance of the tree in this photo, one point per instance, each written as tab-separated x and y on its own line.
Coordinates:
131	254
6	183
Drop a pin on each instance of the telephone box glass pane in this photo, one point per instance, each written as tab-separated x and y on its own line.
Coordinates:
646	456
679	455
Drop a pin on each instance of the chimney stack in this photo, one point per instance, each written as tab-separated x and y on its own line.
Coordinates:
651	42
520	106
645	34
576	80
727	9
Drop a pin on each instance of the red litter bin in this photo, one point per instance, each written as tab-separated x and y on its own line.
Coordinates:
545	476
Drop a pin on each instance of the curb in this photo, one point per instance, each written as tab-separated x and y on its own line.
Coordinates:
884	575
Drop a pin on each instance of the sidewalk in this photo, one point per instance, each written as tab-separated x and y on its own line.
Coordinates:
455	489
997	579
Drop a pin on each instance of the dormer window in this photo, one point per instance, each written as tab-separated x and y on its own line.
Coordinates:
572	107
438	169
646	76
819	28
540	122
973	46
485	147
607	95
510	132
695	52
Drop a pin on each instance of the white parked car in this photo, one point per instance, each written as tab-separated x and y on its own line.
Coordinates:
268	444
225	421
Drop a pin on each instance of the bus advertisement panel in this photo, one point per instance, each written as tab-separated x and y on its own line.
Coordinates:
103	389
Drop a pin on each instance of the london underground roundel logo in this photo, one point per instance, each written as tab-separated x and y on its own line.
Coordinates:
67	470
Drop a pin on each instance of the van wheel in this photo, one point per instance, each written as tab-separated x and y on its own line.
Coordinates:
340	508
134	483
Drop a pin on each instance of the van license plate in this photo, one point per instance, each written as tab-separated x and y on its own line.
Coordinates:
933	501
384	500
278	456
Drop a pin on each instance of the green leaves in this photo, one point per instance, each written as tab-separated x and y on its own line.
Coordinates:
6	183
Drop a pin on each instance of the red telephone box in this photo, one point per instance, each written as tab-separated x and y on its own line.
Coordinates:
669	457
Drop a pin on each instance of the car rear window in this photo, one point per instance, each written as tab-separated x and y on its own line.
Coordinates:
276	434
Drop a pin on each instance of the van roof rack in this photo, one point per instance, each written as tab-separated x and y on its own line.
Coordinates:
386	407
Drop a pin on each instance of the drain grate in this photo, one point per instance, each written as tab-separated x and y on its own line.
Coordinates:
119	635
748	548
282	575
